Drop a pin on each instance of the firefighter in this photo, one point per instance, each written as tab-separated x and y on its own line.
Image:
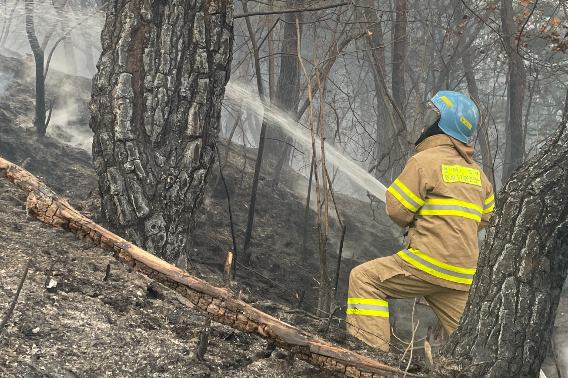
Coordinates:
445	199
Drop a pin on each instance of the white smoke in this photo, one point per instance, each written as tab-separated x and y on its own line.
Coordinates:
6	79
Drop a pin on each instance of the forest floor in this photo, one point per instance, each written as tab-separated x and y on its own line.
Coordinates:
129	326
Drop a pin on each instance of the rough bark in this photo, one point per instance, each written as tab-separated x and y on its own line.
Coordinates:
39	121
514	148
155	113
508	320
218	304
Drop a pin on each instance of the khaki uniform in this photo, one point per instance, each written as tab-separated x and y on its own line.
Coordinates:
445	199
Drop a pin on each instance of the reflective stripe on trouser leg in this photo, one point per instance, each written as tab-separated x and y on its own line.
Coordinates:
367	314
368	307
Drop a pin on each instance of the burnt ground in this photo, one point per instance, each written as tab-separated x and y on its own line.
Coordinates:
124	326
129	326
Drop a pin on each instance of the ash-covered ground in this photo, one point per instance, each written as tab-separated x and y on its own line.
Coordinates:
129	326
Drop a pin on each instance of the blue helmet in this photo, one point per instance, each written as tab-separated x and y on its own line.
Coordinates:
458	114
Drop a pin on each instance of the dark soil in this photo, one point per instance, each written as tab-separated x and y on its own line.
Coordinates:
88	327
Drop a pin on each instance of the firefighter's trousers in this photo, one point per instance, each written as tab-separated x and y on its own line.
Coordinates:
370	286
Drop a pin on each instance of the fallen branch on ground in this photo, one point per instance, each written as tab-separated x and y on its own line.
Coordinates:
13	305
219	304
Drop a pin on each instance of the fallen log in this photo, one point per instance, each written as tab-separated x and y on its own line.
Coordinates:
219	304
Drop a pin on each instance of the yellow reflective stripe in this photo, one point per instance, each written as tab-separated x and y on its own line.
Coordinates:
469	205
451	207
410	200
447	101
408	192
451	212
434	272
489	209
376	302
489	204
402	200
356	311
441	264
465	122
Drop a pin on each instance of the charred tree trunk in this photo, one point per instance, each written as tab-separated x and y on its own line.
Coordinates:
247	254
155	112
514	148
508	320
39	121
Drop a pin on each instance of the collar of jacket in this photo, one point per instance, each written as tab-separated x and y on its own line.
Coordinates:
465	150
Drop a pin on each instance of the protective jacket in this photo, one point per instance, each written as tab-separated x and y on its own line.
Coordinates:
445	199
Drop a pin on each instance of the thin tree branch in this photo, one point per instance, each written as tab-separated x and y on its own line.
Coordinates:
283	11
13	305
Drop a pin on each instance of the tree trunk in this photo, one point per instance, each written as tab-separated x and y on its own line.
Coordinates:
70	61
399	53
514	148
386	119
287	90
307	210
483	136
90	61
7	24
39	121
247	254
508	319
155	112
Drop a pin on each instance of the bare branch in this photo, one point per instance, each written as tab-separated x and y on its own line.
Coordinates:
283	11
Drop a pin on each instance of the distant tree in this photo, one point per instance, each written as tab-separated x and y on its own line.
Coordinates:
39	120
155	111
515	145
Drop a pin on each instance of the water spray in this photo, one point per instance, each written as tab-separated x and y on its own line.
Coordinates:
241	92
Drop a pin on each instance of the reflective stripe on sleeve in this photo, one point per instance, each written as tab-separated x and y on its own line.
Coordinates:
366	306
489	205
410	200
437	268
451	207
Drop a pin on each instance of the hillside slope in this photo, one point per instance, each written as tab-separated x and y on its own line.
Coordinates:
127	325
